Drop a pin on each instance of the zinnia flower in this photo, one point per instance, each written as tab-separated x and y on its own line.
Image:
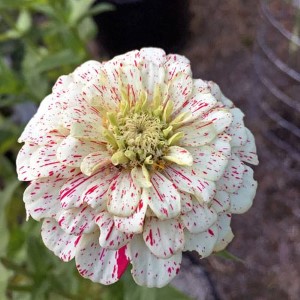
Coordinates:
133	161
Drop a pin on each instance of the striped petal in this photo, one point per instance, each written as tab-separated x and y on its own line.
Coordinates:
94	161
175	64
221	118
164	199
208	163
186	202
76	221
59	242
221	202
110	237
163	237
123	195
147	269
134	224
99	264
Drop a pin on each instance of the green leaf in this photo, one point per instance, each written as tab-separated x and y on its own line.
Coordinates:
227	255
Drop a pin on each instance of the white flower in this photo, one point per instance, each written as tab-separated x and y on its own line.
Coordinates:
133	161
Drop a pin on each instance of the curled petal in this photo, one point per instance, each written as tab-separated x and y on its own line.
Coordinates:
225	235
179	156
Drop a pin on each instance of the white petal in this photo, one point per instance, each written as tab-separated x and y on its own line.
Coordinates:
134	223
110	237
188	181
87	71
71	192
72	151
179	89
77	221
131	81
123	195
232	178
198	104
247	152
45	164
221	202
179	156
200	218
164	199
197	134
94	161
141	177
203	242
155	55
163	237
222	144
221	118
99	264
242	199
23	162
175	64
41	198
237	130
59	242
208	163
186	202
147	269
225	235
95	193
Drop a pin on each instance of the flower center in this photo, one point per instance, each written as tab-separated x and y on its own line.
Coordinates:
140	133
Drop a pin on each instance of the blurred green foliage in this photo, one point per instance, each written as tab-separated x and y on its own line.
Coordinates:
39	41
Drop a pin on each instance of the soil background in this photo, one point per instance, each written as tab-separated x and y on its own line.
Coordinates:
267	237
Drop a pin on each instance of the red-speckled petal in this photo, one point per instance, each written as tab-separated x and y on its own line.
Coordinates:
186	202
199	102
200	218
188	181
99	264
72	191
147	269
41	198
155	55
72	151
237	130
203	242
134	224
95	193
179	156
164	199
179	89
164	238
222	144
94	161
221	118
225	234
197	134
208	163
87	72
77	221
59	242
44	163
221	202
110	237
23	162
232	178
242	199
123	195
247	152
175	64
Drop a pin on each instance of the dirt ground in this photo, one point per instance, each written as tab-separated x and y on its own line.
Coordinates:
267	237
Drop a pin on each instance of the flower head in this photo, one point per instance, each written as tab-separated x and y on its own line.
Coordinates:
133	161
